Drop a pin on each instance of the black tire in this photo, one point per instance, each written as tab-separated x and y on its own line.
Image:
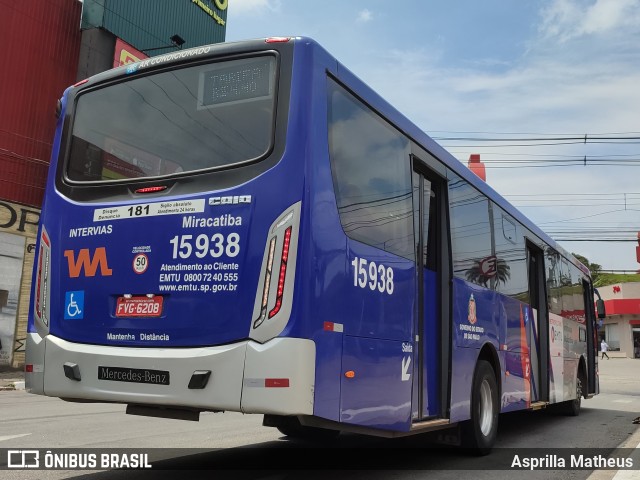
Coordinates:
479	433
572	407
291	427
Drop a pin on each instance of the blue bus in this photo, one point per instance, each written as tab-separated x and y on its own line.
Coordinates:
249	227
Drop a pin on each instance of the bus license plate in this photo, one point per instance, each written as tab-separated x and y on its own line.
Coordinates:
139	306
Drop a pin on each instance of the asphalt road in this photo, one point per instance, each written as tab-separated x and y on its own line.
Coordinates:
236	446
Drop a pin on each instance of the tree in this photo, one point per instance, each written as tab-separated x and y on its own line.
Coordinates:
594	268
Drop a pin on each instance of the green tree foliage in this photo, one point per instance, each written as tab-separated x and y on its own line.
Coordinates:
594	268
601	278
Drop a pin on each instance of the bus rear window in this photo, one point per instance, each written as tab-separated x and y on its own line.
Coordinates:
174	122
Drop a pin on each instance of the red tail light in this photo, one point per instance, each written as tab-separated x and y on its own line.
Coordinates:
151	189
277	39
283	272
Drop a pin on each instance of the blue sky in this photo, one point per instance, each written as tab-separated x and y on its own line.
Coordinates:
502	69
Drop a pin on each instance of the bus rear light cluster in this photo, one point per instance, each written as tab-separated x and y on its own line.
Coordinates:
283	272
274	290
42	281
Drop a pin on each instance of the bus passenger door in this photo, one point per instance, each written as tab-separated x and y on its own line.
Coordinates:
429	392
590	324
537	330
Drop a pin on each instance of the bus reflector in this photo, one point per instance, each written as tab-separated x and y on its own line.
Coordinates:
333	327
28	368
276	382
151	189
283	272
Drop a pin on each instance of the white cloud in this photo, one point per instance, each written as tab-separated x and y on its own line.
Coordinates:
578	74
549	92
253	6
567	19
364	16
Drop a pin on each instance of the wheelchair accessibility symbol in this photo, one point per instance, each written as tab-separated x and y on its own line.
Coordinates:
74	305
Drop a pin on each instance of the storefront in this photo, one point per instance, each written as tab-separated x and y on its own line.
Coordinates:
18	230
621	327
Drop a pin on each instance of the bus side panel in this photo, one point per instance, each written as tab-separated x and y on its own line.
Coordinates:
475	315
377	294
431	343
378	393
324	280
318	281
323	276
565	350
375	309
516	382
556	364
463	361
574	347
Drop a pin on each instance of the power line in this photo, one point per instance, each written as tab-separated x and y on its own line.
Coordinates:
581	135
603	240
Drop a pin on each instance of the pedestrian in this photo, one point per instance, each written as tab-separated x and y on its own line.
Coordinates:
636	348
604	347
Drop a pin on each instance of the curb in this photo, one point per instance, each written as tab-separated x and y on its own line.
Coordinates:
12	384
632	442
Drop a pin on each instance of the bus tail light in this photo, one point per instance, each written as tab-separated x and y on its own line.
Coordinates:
155	189
283	272
273	302
277	40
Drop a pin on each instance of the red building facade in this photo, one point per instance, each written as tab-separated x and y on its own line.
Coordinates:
39	58
621	327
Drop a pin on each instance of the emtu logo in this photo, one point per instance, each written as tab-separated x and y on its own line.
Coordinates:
87	263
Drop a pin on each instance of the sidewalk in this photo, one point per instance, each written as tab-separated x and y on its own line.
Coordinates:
11	378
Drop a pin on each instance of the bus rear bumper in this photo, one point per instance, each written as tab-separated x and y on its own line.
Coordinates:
276	377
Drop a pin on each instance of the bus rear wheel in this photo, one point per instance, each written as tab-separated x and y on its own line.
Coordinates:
571	408
479	433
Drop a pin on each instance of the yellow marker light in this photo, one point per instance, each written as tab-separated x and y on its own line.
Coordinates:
350	374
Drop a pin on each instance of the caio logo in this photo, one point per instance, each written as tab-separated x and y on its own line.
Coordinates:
87	263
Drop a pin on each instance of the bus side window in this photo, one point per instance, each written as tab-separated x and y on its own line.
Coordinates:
371	171
511	256
470	233
554	294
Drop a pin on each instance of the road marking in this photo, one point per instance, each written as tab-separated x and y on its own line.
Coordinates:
10	437
622	401
627	474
